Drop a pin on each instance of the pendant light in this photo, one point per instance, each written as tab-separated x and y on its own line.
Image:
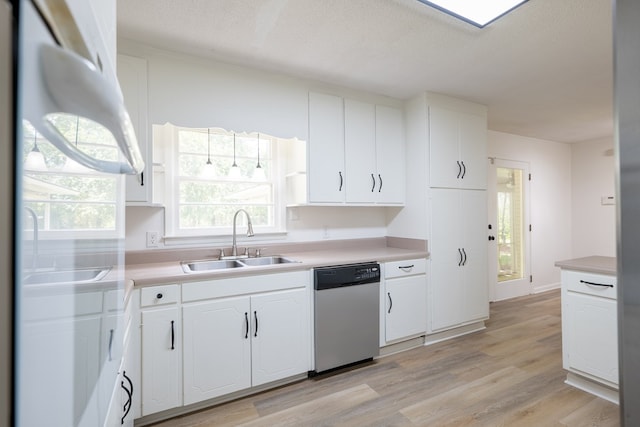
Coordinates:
208	171
234	172
35	159
71	165
258	173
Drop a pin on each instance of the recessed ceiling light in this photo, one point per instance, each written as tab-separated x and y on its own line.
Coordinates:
477	12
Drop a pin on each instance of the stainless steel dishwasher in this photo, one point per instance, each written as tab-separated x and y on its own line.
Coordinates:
347	300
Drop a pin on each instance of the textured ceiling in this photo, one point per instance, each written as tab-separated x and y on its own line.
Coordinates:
544	71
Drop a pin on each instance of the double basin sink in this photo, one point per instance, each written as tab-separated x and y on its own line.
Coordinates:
223	264
85	275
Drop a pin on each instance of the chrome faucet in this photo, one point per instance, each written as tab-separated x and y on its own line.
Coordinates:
234	246
34	218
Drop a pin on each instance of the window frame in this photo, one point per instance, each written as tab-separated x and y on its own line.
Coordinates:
166	151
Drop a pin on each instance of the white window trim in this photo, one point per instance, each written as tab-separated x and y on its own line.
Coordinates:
168	141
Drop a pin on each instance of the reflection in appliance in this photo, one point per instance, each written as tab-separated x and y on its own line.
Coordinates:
70	255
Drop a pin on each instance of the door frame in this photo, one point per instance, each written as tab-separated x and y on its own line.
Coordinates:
526	285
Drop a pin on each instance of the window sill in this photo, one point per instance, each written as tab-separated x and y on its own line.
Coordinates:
225	240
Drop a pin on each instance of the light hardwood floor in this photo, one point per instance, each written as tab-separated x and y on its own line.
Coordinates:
507	375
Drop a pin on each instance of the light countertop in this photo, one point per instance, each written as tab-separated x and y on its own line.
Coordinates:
349	252
590	264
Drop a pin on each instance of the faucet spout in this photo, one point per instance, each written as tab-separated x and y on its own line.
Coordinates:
234	246
34	256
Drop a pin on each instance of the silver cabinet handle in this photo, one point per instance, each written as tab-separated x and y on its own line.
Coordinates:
373	183
390	302
341	180
406	268
380	179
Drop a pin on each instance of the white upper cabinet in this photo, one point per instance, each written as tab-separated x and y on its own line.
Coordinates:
356	152
326	172
360	151
390	155
458	149
132	75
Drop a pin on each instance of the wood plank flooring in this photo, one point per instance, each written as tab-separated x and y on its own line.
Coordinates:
507	375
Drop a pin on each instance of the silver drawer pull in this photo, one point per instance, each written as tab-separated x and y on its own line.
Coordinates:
596	284
406	267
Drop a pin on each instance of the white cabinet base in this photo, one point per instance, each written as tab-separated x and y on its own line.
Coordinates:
182	410
593	387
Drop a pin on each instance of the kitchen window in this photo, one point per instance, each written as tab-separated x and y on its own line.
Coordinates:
65	196
210	173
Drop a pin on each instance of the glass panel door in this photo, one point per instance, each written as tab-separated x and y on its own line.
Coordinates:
510	225
509	229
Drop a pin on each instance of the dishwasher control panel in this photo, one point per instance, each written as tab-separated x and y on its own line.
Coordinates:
346	275
366	273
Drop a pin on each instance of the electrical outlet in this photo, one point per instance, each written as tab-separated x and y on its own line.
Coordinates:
153	238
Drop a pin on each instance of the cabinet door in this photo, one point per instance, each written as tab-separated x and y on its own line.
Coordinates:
132	74
406	307
475	282
326	172
446	259
61	366
473	151
459	281
217	348
390	158
280	335
444	164
591	331
161	360
360	152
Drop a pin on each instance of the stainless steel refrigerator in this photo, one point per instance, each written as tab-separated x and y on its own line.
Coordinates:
626	24
67	142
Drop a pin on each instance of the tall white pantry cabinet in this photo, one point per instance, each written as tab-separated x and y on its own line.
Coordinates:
458	287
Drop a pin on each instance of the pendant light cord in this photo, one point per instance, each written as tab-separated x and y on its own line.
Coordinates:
258	165
208	146
234	152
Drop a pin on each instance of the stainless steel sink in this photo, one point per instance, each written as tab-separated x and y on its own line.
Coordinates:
208	265
66	276
267	260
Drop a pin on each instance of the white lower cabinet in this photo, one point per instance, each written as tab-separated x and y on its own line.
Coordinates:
405	300
235	343
458	286
203	340
280	340
217	348
161	350
590	326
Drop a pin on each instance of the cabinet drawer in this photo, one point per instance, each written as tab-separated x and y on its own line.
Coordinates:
590	283
159	295
405	268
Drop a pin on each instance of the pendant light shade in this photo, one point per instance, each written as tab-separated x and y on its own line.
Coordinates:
208	171
35	159
258	173
234	172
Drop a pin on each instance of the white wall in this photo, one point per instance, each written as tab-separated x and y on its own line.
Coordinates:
593	177
551	208
192	91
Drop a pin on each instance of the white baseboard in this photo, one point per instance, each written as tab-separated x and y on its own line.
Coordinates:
545	288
